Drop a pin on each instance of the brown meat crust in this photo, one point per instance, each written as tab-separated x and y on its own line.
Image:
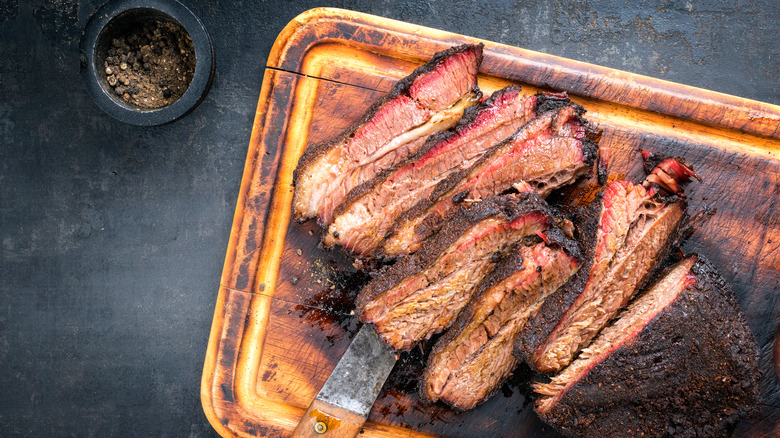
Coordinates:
402	86
469	115
692	371
544	102
536	331
508	266
457	222
586	221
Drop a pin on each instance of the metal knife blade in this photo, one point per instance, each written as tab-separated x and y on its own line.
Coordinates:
345	400
358	377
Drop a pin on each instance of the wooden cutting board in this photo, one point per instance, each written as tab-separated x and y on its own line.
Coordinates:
283	317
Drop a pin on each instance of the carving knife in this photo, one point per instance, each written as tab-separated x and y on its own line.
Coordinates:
342	405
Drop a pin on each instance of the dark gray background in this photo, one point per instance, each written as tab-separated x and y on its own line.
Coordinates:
113	236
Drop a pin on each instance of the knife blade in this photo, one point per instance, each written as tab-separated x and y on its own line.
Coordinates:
345	400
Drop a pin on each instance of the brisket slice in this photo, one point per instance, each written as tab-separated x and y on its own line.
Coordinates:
369	210
668	174
474	357
636	229
422	294
680	361
548	152
540	324
432	98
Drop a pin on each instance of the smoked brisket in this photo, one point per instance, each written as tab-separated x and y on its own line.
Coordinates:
368	211
636	228
421	295
548	152
680	361
474	357
429	100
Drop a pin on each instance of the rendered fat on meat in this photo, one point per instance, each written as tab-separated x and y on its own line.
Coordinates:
679	361
635	231
369	210
548	152
431	99
421	295
474	357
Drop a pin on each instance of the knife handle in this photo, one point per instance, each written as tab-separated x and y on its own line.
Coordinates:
324	420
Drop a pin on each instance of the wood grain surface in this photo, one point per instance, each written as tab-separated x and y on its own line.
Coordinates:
325	420
283	314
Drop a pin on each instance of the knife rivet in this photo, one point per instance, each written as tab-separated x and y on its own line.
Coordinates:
320	427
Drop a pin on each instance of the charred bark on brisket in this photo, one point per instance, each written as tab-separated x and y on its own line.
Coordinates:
636	230
680	361
421	295
368	211
474	357
548	152
540	324
432	98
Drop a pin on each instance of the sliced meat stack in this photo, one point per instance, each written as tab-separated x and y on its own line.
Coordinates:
680	361
431	99
422	294
546	153
471	361
636	228
451	188
368	211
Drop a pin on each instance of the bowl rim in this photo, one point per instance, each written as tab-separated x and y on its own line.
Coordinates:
204	62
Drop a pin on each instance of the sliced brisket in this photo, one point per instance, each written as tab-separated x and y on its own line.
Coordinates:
474	357
432	98
636	229
369	210
422	294
680	361
548	152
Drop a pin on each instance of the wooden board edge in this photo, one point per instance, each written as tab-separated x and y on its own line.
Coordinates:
207	401
320	25
242	257
230	411
239	216
265	150
227	385
257	158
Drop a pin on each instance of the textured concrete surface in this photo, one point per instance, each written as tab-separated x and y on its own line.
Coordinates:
113	236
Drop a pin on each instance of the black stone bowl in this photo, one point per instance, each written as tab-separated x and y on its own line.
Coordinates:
117	15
